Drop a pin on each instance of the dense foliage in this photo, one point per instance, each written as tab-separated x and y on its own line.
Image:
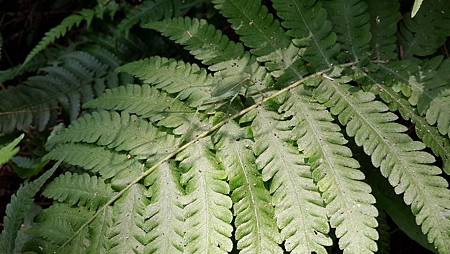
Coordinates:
300	127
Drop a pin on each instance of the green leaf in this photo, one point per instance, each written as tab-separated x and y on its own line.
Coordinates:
236	70
120	132
164	215
98	232
254	24
127	232
81	190
20	206
149	103
188	81
75	78
384	16
309	28
60	30
348	200
424	34
207	208
429	135
351	23
256	231
401	160
7	151
109	164
299	209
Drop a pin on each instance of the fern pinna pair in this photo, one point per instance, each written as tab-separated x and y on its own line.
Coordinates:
268	145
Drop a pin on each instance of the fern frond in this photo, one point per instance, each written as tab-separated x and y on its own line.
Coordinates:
100	160
207	210
310	28
58	222
299	209
426	87
122	132
98	232
152	10
391	203
81	190
254	24
164	215
77	78
384	16
60	30
188	81
148	102
400	159
348	200
351	22
438	112
235	69
7	151
428	134
427	31
19	207
256	231
127	232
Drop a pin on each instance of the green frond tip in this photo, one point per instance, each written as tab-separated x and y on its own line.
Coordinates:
7	151
401	160
79	189
60	30
256	230
18	209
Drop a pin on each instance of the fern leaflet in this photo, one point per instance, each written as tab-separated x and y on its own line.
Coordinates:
235	69
81	190
400	159
164	215
348	200
7	151
256	231
299	209
309	27
19	207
